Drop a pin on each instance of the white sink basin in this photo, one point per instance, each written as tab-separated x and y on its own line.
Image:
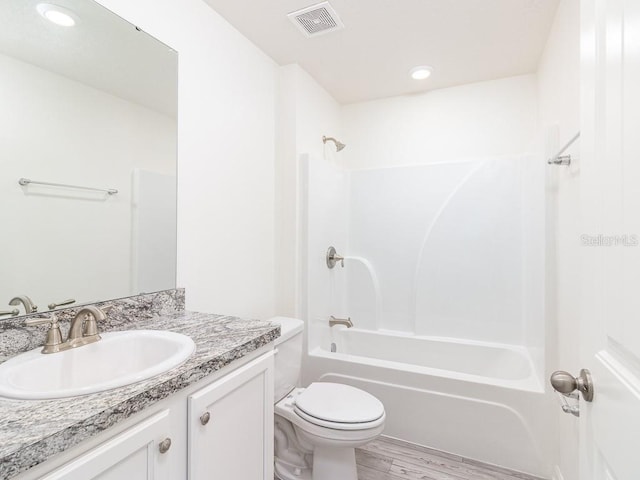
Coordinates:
119	359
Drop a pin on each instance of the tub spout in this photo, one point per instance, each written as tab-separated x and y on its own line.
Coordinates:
340	321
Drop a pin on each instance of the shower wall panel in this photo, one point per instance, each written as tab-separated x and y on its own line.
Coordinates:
448	245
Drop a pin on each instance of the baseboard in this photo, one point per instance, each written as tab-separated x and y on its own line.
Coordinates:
557	474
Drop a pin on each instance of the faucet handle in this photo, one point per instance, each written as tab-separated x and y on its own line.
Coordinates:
40	321
54	336
91	320
91	326
64	302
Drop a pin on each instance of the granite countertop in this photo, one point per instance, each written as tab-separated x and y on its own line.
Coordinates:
31	431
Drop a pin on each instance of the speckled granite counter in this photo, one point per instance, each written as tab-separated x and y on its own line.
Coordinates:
33	431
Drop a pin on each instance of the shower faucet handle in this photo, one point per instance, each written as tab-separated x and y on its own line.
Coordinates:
333	258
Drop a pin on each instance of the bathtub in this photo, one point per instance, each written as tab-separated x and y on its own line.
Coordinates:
480	400
495	364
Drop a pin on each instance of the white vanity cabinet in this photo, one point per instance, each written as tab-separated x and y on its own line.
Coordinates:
234	441
230	425
140	452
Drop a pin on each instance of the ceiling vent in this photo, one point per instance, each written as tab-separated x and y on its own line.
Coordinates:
316	20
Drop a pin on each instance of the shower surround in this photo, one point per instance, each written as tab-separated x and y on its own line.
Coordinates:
444	282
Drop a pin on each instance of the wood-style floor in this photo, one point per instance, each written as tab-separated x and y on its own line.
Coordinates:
390	459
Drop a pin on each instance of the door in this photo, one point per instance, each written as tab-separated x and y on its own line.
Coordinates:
231	425
610	202
139	453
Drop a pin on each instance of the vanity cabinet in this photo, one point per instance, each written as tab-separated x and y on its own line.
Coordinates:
220	428
230	425
139	452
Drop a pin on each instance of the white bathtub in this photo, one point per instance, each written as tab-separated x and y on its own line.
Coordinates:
480	400
497	364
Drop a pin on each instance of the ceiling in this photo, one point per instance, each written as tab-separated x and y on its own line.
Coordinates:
465	41
102	50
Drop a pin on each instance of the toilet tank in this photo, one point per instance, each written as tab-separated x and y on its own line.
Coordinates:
288	359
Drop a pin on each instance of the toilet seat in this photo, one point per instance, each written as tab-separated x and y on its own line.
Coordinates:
339	407
333	434
339	426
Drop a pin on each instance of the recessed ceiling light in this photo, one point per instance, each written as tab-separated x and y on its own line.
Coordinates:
421	72
58	15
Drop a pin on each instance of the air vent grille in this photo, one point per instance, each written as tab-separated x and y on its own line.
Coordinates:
316	19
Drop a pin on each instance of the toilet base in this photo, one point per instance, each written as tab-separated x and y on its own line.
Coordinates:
287	472
331	463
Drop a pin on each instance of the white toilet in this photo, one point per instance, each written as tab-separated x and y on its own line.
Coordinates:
317	428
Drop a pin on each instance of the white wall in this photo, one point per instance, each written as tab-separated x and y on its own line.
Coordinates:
63	131
494	118
559	91
226	153
306	112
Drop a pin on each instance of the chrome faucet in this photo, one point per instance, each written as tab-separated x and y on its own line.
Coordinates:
26	302
83	330
340	321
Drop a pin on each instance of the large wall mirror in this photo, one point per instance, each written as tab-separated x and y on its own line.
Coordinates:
87	100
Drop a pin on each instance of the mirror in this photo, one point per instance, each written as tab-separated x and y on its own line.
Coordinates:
91	105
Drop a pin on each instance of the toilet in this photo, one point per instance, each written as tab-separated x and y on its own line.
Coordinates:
317	428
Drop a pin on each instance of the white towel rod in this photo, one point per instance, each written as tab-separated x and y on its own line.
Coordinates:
26	181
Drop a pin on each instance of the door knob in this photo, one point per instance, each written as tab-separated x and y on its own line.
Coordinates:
566	384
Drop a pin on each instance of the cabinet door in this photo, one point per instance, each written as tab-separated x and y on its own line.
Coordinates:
132	455
231	425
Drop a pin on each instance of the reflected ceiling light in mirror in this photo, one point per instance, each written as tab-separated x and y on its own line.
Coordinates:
421	72
56	14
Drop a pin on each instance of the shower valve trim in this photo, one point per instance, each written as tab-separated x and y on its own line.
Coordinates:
333	258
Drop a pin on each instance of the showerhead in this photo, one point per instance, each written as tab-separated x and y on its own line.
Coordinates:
339	144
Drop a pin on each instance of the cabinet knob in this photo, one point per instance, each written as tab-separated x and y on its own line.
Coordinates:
165	445
205	417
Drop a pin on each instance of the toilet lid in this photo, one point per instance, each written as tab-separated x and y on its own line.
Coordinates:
334	402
